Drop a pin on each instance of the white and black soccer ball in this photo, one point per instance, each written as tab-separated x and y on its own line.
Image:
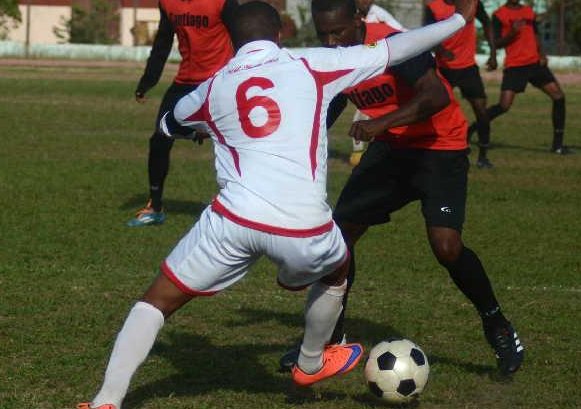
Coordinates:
397	370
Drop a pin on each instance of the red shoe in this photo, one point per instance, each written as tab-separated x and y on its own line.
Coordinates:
87	405
337	359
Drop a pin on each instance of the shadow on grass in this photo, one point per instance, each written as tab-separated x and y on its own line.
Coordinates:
203	368
544	149
339	155
171	206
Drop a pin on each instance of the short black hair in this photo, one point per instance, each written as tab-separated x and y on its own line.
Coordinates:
255	20
323	6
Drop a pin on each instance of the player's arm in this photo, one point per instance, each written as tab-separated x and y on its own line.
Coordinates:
430	97
429	18
482	16
229	12
336	108
188	119
543	57
157	58
501	41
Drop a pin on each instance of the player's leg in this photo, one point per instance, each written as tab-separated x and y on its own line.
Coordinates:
444	187
195	267
136	338
514	80
324	259
483	129
365	200
546	82
159	161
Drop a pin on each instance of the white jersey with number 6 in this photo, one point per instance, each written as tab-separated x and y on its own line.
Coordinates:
266	112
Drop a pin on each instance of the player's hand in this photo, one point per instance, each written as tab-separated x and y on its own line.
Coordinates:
517	25
367	130
467	8
140	97
491	63
199	137
543	60
446	54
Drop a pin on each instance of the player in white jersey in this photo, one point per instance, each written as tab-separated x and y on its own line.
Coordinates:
265	111
370	13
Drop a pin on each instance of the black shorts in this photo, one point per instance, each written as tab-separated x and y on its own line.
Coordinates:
467	79
386	180
516	78
174	93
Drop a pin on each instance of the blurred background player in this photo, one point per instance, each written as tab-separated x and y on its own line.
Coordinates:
370	13
204	45
515	30
457	63
272	201
419	152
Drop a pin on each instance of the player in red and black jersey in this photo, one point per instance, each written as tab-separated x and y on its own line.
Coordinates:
515	30
204	45
457	63
418	152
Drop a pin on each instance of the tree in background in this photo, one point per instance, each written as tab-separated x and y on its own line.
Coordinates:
92	25
569	12
9	16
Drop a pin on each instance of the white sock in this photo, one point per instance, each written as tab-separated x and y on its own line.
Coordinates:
132	346
358	146
324	304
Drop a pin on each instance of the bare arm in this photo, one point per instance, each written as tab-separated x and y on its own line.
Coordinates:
430	97
157	58
482	16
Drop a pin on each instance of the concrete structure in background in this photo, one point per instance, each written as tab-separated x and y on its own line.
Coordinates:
138	18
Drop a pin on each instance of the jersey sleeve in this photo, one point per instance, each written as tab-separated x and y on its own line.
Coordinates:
342	67
158	56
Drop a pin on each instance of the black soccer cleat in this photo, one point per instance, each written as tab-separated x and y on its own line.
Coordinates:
484	163
505	342
289	359
562	150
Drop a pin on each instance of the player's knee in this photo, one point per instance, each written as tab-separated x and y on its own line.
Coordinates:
339	276
447	250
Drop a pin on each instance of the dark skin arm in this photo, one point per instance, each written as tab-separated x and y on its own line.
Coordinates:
157	58
431	97
543	57
482	16
499	40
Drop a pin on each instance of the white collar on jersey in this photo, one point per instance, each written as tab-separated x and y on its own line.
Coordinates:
255	46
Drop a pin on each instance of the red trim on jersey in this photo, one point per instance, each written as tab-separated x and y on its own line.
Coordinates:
167	271
279	231
203	114
321	79
286	287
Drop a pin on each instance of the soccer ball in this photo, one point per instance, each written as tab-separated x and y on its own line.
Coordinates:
397	370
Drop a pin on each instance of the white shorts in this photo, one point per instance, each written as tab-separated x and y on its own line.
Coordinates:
217	252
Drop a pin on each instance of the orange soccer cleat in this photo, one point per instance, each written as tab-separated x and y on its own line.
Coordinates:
337	359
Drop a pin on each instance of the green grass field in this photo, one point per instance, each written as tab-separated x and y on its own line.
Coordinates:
73	170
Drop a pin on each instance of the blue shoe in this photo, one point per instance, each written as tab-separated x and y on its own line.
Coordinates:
147	217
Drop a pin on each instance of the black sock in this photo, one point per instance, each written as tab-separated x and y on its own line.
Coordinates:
494	111
158	167
483	138
469	276
558	122
339	330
